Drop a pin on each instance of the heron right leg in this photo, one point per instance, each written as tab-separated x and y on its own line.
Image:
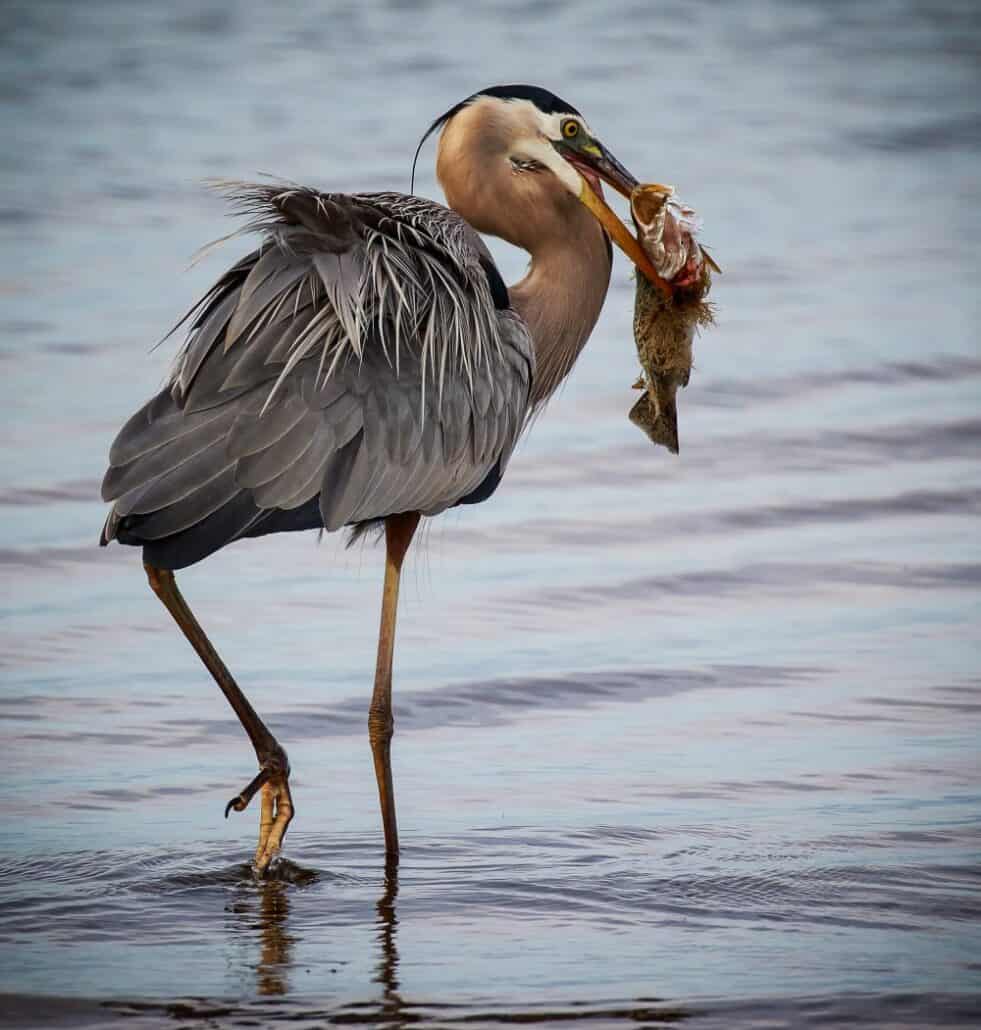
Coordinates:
274	770
399	530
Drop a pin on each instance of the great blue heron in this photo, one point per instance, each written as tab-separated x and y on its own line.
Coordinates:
366	365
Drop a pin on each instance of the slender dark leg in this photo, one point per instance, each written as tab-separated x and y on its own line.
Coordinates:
274	769
398	535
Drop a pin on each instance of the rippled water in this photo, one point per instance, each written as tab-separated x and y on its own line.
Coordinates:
687	739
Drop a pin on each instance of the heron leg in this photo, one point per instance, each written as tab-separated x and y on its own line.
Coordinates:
399	530
274	770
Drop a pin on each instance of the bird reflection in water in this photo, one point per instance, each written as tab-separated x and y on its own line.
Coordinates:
390	1010
394	1011
265	908
276	942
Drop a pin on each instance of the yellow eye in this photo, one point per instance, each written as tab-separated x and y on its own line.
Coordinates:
570	128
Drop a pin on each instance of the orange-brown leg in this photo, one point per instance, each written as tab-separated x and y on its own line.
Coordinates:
274	769
399	530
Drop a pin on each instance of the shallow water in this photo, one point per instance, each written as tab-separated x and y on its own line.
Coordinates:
681	739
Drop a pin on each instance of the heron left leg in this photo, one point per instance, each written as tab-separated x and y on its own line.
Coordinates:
273	777
399	530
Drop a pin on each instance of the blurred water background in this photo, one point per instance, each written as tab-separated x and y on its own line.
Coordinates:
678	739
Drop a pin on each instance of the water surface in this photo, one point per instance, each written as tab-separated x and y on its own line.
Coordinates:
679	740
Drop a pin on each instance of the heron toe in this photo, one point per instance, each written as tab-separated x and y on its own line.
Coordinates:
276	805
277	812
241	800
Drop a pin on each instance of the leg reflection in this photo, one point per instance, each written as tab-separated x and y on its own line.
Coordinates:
394	1012
276	943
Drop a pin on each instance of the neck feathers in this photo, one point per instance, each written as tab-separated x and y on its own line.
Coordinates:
561	297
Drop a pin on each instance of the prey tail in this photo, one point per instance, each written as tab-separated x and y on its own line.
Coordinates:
661	426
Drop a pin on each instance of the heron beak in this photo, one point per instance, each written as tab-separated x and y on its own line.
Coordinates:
593	162
621	235
602	163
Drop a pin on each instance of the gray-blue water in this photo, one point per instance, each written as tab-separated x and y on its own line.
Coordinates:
686	738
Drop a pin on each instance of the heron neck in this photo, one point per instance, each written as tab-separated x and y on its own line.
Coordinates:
560	300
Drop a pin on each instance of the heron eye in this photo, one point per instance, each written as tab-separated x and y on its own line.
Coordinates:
570	128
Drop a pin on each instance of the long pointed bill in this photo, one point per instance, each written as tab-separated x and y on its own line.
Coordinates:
593	161
621	235
608	168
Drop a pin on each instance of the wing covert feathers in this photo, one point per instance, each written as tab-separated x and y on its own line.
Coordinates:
355	361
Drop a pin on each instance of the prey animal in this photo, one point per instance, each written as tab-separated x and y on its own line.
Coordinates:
667	310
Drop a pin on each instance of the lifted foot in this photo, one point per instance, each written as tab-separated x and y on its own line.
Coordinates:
277	806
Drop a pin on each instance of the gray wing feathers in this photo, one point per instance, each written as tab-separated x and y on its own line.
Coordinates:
152	427
200	345
197	504
315	366
275	460
126	480
341	275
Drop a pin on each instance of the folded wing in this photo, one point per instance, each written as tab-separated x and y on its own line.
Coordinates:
362	362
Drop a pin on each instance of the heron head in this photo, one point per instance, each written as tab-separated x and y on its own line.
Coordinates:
548	152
